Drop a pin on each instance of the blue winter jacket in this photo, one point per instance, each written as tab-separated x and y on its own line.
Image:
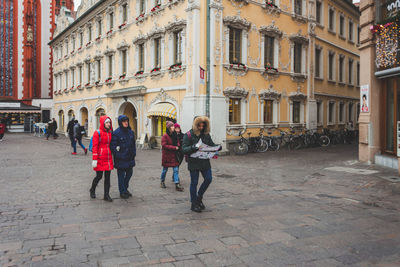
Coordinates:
125	139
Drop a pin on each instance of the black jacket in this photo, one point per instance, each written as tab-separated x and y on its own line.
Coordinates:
125	139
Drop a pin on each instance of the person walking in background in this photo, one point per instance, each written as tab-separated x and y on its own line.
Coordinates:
54	129
2	128
70	131
170	147
123	147
78	137
49	129
102	157
179	153
200	130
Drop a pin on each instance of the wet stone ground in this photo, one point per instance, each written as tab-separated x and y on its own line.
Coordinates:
313	207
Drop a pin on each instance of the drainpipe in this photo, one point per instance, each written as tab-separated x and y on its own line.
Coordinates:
208	60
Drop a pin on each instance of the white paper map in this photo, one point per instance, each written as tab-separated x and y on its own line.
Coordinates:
205	151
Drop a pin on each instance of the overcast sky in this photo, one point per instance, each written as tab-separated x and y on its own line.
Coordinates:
78	2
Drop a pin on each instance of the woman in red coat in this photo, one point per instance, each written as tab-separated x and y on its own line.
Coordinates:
2	128
170	146
102	157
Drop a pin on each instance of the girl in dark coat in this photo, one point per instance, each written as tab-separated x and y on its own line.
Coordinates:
170	146
123	147
200	130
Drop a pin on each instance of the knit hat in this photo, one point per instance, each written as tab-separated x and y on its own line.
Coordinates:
107	120
169	124
176	125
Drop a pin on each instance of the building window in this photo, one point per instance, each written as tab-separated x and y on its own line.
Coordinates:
318	62
332	20
298	7
67	48
350	30
110	67
98	66
80	75
331	112
89	34
81	39
298	49
235	48
358	73
234	111
341	25
73	77
142	7
331	66
73	44
157	52
111	21
318	12
319	113
88	72
178	47
62	51
341	112
66	80
350	71
296	111
268	111
358	34
141	57
100	112
341	69
350	112
99	26
269	51
124	61
124	13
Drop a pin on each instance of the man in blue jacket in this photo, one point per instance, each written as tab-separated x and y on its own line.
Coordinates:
123	147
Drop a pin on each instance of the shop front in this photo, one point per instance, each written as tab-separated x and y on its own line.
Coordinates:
159	114
19	116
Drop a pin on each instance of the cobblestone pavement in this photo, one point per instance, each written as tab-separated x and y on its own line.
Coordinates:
315	207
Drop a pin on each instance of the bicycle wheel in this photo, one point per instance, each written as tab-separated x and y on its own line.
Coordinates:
241	148
262	146
274	145
324	140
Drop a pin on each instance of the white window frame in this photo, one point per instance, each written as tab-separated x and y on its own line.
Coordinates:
121	67
350	38
350	72
321	23
99	26
276	50
121	11
332	30
320	106
112	58
73	42
303	8
291	110
343	36
333	122
342	72
275	111
111	20
80	68
333	66
343	109
138	56
138	7
321	62
303	57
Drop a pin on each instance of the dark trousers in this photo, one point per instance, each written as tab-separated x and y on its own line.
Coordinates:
124	175
1	136
194	180
96	180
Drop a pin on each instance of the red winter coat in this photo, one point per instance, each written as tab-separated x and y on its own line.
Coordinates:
101	150
168	152
2	128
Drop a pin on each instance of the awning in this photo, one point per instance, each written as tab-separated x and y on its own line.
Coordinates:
163	110
21	111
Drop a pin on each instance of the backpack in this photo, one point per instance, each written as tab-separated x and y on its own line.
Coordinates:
190	140
91	141
82	131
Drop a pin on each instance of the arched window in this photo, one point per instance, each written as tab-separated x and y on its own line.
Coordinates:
61	119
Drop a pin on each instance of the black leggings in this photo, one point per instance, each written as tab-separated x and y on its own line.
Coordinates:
96	180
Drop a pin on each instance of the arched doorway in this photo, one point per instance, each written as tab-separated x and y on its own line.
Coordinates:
71	114
61	120
129	110
85	119
100	112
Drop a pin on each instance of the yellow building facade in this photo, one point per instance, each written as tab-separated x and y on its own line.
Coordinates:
145	59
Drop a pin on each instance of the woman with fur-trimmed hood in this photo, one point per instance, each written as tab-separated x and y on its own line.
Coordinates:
200	130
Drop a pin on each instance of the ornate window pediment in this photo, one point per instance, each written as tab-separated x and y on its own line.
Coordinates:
298	37
297	96
237	22
98	55
236	92
271	30
79	64
87	59
141	38
156	32
122	2
269	93
123	45
109	51
175	25
110	9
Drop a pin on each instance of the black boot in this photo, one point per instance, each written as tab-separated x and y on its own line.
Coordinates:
107	198
92	193
200	202
178	187
195	206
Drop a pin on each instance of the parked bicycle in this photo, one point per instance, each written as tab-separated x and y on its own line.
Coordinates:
272	142
258	144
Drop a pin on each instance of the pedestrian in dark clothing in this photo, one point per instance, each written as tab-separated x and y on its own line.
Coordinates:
102	157
2	128
70	131
200	130
77	138
54	129
179	153
123	147
49	129
170	146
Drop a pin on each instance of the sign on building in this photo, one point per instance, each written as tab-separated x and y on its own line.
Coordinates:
364	98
